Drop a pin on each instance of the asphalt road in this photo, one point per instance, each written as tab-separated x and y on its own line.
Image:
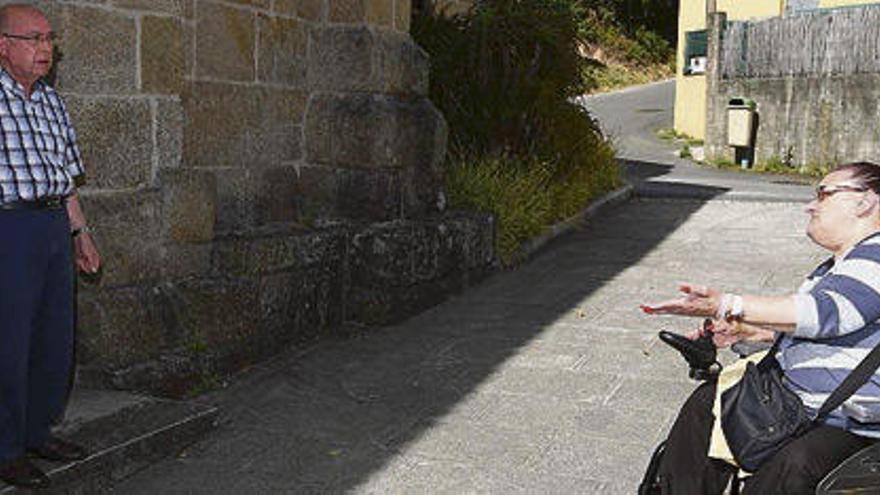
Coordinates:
631	119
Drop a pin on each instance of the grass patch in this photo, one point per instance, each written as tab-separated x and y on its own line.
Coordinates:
777	165
525	195
671	135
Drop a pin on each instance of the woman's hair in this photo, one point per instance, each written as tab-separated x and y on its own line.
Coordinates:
866	173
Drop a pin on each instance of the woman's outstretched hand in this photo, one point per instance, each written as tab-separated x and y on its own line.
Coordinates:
724	333
696	300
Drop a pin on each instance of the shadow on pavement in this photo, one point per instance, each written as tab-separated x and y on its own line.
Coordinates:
340	415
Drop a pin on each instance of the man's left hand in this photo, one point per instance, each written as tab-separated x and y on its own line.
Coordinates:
86	253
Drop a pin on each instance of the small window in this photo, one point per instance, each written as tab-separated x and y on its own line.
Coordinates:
695	50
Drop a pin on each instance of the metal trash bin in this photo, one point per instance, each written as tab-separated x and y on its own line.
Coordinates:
740	121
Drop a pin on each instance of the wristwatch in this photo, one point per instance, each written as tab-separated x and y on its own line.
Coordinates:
85	229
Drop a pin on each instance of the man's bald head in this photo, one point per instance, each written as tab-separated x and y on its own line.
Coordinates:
10	11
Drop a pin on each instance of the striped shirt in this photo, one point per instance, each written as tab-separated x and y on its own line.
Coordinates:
39	156
838	324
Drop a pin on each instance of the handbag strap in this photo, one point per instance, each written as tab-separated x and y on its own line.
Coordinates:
856	378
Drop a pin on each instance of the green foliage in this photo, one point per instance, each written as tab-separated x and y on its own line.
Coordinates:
524	194
685	152
496	71
504	75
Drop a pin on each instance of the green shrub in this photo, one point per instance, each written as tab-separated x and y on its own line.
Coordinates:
504	75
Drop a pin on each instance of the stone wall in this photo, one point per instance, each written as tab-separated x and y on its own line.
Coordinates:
814	78
260	172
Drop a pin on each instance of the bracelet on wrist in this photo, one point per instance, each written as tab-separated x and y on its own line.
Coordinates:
85	229
730	307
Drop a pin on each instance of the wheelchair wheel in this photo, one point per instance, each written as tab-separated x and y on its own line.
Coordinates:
860	474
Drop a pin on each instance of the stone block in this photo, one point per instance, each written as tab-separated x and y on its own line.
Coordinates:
281	58
370	194
379	132
225	39
128	227
382	254
403	15
340	58
99	54
341	130
346	11
115	136
169	132
278	195
176	8
402	267
370	131
404	65
236	205
163	55
233	125
188	204
280	127
185	260
217	315
120	326
318	193
380	12
328	192
310	10
305	304
309	290
260	252
313	10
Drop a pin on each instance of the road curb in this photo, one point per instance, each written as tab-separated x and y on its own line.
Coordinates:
530	247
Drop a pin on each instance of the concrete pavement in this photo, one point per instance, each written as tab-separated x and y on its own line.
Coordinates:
545	379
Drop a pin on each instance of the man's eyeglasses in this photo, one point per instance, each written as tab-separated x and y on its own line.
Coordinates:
35	38
824	190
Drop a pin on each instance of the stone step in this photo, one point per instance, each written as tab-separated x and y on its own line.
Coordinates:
124	434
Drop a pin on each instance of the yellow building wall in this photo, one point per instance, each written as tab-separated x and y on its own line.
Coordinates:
689	114
690	91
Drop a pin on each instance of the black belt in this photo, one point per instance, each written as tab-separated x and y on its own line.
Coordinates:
47	203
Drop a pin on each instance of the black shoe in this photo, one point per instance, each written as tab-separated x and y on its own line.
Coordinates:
22	473
56	449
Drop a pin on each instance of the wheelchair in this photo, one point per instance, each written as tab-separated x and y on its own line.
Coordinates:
857	475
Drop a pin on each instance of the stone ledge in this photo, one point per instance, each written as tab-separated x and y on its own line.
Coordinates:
124	433
282	287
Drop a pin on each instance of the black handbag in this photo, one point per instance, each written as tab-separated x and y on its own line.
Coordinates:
760	415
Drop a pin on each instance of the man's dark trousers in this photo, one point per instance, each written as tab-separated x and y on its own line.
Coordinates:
36	325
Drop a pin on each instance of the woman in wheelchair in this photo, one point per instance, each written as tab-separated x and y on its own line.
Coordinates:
824	331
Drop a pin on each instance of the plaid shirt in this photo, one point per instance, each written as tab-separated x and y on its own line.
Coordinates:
38	152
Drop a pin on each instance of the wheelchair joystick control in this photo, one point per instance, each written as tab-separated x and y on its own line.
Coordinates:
699	353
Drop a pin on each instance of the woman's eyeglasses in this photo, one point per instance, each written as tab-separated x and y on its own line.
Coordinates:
825	190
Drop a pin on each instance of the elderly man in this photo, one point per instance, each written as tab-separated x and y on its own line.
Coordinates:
39	212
